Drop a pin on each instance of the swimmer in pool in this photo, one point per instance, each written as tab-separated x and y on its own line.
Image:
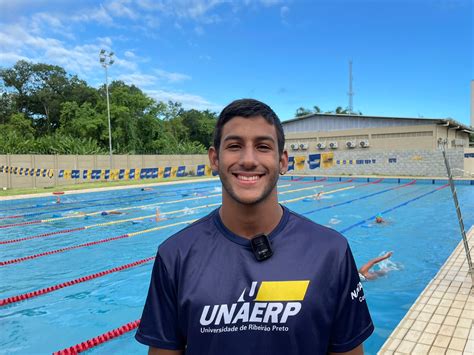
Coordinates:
365	273
379	220
147	189
105	213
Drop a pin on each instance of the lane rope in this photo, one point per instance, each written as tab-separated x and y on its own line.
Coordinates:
142	194
64	231
127	235
91	343
81	215
43	291
88	244
359	198
393	208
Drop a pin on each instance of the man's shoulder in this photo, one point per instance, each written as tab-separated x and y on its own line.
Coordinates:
187	236
315	231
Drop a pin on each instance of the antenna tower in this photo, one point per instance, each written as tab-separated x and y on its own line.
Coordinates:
350	93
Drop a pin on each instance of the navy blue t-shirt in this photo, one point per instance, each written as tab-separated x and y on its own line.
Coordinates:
209	295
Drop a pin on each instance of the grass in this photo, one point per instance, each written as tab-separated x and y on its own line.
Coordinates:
92	185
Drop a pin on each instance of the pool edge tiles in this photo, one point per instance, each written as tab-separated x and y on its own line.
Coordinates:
442	317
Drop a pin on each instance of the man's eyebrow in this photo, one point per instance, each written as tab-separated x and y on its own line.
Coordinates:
239	138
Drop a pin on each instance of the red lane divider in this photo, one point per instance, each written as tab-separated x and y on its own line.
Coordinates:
42	235
46	290
16	216
91	343
442	187
407	184
29	257
371	183
312	182
20	224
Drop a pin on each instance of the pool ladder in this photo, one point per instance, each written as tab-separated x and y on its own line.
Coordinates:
443	144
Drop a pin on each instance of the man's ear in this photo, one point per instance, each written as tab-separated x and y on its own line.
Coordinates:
284	162
213	158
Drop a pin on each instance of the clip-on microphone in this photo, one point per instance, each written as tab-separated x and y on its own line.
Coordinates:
262	249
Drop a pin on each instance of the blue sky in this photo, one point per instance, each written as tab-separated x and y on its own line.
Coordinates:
411	58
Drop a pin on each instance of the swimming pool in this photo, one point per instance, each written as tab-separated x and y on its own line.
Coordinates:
45	244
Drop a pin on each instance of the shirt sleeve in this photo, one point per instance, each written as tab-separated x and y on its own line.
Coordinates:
159	326
352	324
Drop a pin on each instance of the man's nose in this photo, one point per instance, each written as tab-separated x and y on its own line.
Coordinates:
248	158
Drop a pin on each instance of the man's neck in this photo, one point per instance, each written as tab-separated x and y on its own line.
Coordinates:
249	221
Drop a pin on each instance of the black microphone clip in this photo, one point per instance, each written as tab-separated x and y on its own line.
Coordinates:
261	246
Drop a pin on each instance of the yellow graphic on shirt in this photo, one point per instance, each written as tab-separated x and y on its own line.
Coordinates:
282	290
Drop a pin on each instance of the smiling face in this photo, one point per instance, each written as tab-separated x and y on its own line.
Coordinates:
248	160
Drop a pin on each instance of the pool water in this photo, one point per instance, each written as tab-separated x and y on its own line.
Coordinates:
421	229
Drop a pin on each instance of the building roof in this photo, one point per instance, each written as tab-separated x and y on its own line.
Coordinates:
451	123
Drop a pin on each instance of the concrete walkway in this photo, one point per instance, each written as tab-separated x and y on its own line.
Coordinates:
441	319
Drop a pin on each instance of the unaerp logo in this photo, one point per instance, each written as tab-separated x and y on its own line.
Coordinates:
273	302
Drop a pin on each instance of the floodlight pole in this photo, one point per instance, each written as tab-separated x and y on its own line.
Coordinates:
106	60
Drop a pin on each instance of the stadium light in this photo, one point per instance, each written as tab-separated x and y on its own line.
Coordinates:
106	60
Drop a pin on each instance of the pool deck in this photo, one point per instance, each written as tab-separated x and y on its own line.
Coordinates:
441	319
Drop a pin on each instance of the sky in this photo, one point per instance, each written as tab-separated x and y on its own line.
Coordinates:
411	58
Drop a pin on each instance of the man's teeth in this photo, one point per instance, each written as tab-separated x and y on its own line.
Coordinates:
248	178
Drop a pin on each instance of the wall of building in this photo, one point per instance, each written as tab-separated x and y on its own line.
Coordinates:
469	162
82	162
422	137
397	163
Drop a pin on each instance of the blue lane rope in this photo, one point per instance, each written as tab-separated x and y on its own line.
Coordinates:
391	209
355	199
177	191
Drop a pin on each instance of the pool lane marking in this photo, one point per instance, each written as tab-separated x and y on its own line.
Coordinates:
79	215
334	191
142	194
127	235
359	198
84	201
43	291
314	195
28	295
64	231
88	244
93	342
301	189
392	208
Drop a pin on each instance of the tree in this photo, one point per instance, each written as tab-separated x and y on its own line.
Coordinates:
43	109
301	111
82	121
200	125
19	78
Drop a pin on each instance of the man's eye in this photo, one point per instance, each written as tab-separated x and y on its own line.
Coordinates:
264	147
233	146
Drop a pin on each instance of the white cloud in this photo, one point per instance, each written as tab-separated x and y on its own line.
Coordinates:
284	11
11	57
129	54
171	77
270	2
188	100
199	30
138	79
99	15
119	8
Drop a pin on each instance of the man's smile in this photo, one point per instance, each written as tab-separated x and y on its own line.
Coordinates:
248	178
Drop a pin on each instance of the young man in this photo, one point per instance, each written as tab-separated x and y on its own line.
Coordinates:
253	277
